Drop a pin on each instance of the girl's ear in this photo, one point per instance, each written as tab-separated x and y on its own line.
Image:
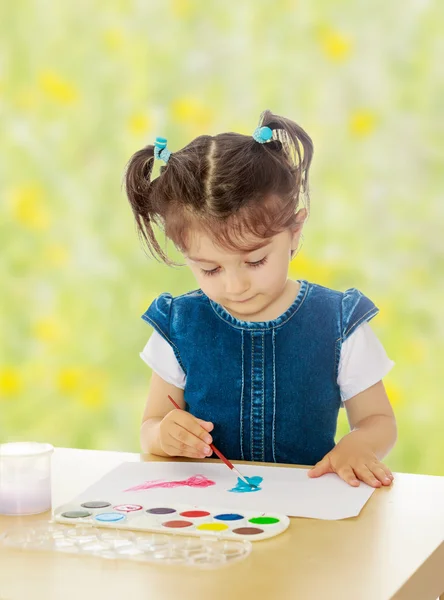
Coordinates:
301	215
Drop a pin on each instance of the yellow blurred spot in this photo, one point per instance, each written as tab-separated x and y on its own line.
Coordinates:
85	384
27	207
92	393
362	123
113	38
69	379
336	46
139	123
393	392
55	88
190	111
10	382
56	254
47	330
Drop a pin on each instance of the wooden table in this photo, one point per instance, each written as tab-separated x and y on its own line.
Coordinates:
393	549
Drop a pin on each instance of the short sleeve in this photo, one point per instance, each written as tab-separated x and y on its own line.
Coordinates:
160	357
158	315
363	362
356	309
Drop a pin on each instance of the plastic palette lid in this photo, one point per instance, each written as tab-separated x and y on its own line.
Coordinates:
201	553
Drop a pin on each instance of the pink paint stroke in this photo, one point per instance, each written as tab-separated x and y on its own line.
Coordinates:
195	481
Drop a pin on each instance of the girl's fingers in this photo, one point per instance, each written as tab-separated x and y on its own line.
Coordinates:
183	439
320	468
365	475
192	425
348	475
380	473
176	448
207	425
188	452
387	471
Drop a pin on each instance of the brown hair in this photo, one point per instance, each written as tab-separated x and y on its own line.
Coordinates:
228	185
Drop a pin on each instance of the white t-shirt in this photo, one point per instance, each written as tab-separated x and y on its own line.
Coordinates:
363	361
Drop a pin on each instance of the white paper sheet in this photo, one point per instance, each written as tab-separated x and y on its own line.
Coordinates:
284	490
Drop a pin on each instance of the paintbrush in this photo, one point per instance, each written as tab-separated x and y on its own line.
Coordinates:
220	455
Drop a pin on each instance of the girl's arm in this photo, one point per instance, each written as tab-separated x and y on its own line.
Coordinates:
372	420
373	433
170	432
156	408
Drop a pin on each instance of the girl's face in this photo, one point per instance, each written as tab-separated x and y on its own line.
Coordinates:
245	283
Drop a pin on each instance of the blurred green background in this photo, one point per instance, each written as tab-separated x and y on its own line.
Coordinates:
83	85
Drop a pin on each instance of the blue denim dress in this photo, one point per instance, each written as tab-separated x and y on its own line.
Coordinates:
270	388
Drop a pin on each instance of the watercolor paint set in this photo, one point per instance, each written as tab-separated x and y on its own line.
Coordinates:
180	519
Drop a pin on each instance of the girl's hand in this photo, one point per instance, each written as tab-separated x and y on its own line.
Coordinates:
353	460
181	434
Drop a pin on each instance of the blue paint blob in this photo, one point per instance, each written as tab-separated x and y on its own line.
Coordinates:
229	517
241	487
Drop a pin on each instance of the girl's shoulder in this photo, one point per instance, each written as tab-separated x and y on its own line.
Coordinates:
351	306
167	300
350	295
166	306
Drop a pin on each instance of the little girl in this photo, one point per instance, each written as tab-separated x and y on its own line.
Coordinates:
260	363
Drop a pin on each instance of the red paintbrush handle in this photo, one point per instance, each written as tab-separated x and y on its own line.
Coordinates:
174	403
212	446
221	456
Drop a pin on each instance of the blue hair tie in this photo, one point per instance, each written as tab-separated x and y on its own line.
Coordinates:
262	135
160	149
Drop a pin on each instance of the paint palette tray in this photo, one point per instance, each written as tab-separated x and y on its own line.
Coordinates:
181	519
87	540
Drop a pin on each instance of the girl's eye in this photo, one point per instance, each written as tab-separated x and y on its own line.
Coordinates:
258	263
216	270
211	272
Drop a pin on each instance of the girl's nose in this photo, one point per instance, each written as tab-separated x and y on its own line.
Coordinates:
235	285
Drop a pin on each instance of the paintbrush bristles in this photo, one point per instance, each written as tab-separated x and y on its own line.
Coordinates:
243	478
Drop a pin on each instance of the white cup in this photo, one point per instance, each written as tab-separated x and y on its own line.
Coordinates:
25	478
